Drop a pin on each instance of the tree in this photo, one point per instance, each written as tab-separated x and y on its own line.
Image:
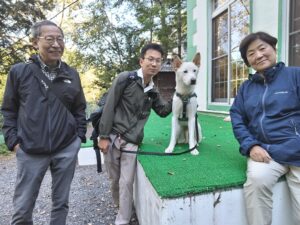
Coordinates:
104	36
16	18
165	21
108	45
111	34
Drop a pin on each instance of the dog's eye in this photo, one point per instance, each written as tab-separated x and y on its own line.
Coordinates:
185	71
195	71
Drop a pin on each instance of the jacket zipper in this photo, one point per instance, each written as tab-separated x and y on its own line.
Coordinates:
264	112
49	123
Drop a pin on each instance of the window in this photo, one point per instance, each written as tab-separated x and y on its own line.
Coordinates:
294	33
220	57
230	25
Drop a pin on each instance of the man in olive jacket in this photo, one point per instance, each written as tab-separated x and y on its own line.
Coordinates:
127	109
44	124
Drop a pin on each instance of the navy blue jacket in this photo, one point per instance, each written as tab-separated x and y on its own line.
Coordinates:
36	118
267	113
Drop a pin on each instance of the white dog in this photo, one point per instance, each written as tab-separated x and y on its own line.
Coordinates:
185	127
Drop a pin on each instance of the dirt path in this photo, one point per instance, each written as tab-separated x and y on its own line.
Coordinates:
90	198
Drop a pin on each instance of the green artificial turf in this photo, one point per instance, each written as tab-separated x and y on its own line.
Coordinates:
89	143
219	164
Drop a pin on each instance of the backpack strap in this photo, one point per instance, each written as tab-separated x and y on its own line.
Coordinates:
37	72
131	77
96	116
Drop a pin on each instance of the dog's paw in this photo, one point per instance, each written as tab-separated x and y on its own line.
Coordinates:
195	152
169	150
227	119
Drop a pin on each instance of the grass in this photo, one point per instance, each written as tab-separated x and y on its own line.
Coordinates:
3	150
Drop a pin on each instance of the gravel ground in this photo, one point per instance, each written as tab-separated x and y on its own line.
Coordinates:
90	198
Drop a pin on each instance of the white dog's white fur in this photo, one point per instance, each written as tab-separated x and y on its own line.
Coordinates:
185	131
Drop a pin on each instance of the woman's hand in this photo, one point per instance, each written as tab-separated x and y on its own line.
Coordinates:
258	154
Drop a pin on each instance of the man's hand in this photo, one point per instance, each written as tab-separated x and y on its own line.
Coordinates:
103	145
258	154
16	147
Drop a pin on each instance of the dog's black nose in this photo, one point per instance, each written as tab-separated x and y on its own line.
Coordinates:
193	81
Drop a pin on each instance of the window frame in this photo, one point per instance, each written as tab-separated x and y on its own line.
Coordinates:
214	14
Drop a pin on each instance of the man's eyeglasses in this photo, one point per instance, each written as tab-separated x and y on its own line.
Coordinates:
50	39
152	60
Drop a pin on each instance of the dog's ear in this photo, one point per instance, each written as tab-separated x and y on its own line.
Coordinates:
176	62
197	59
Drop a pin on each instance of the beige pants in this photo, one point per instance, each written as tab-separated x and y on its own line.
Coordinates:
258	190
121	169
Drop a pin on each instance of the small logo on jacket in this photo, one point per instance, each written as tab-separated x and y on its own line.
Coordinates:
67	81
280	92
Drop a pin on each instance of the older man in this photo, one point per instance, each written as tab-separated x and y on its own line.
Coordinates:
44	123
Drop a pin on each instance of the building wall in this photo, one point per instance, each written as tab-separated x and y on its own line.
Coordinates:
265	16
198	42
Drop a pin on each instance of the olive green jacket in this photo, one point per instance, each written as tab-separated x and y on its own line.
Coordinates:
127	108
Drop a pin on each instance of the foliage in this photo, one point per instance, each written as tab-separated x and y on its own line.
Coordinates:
3	149
112	33
164	21
103	37
108	48
16	18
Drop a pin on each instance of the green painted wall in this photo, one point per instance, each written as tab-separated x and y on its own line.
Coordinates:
191	29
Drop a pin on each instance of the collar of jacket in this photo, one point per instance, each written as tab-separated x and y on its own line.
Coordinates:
45	67
139	81
62	71
269	74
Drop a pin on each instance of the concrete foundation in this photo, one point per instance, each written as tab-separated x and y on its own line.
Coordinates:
222	207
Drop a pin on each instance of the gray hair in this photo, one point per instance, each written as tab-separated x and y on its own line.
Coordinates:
36	28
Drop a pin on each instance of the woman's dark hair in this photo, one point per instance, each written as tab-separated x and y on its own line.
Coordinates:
153	46
252	37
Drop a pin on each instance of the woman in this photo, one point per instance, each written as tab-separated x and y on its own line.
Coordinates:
265	117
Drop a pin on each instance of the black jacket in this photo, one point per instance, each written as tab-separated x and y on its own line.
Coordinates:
35	118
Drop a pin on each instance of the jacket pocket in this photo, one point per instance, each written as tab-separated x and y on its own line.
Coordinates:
295	127
287	152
